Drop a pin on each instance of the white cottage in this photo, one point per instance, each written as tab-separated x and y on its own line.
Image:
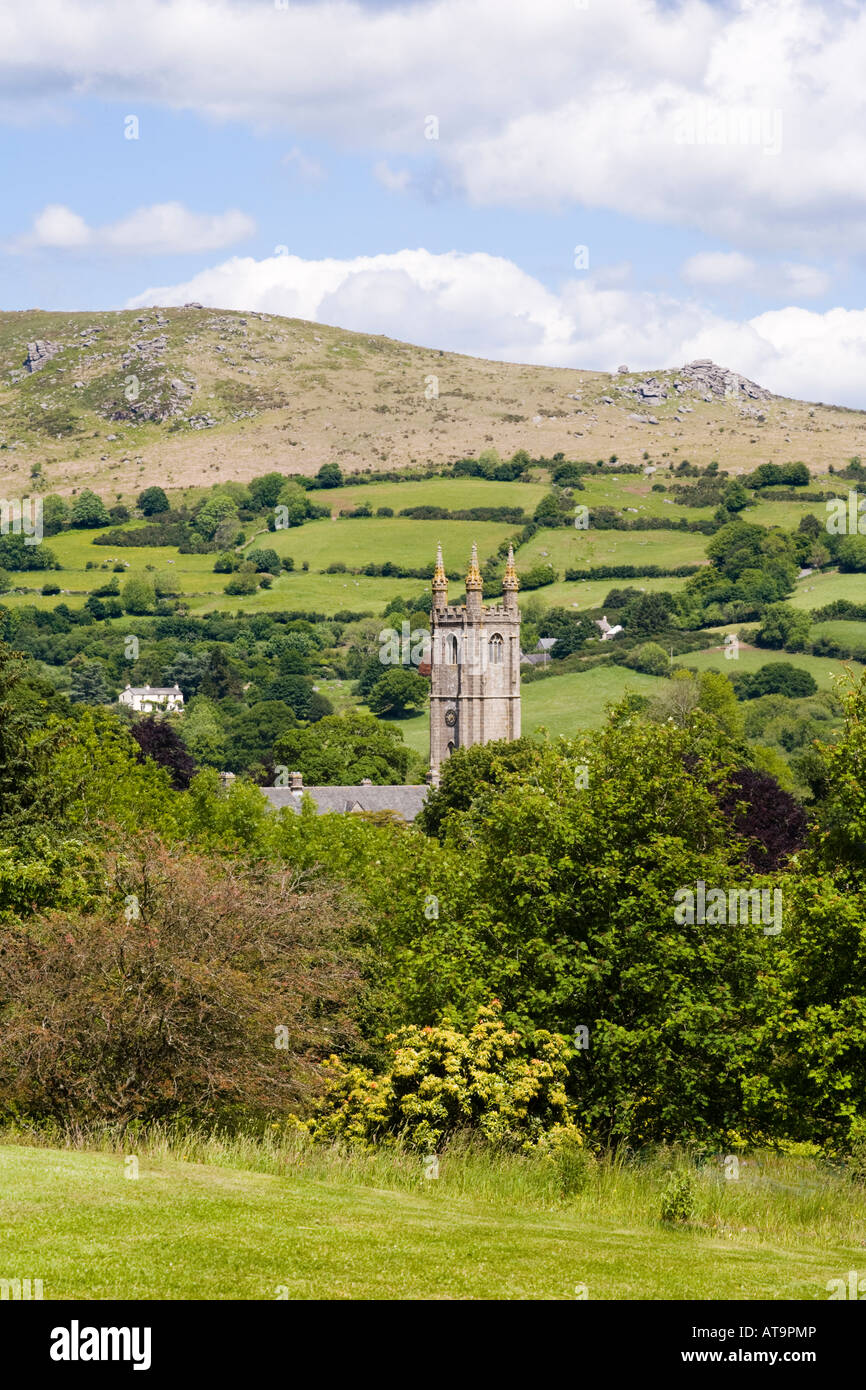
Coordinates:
152	699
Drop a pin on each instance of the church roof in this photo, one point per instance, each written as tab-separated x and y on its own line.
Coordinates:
405	802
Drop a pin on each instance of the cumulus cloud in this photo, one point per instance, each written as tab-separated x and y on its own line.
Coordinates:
745	120
487	306
160	229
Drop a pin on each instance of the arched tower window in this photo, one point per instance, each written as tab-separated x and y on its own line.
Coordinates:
451	650
496	649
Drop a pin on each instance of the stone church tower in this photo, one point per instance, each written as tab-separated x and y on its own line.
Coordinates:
475	665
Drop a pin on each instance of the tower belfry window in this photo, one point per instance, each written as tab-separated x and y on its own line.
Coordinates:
451	650
496	647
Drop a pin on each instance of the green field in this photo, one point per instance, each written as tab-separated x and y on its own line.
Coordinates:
376	539
186	1230
455	494
821	668
816	590
844	631
570	548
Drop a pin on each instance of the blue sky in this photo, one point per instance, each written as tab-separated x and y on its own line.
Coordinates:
706	157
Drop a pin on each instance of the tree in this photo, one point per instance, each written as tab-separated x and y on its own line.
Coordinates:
187	671
55	514
735	497
852	554
89	685
266	559
770	821
648	614
203	733
242	583
16	554
220	679
298	693
88	510
718	698
152	501
158	739
650	658
253	733
137	595
398	692
784	626
192	983
219	506
470	773
776	678
342	749
329	475
294	499
556	895
265	490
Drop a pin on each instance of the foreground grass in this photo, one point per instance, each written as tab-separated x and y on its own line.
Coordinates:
257	1220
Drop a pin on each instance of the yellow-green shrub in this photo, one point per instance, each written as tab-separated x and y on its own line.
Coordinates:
442	1080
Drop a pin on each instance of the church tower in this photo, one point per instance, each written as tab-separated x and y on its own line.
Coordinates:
475	665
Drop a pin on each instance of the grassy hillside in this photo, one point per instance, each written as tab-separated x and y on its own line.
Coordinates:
187	397
186	1230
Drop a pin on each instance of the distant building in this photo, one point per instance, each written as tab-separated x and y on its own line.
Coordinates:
541	655
475	695
404	802
475	658
607	629
152	699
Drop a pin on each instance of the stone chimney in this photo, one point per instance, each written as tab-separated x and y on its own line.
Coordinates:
366	782
296	782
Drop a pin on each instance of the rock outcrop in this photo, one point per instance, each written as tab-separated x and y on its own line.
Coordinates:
39	353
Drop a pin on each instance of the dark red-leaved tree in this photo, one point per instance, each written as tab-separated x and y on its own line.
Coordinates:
158	740
769	818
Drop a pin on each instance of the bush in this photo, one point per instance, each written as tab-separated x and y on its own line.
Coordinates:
152	501
88	510
574	1163
775	678
170	1001
242	583
650	658
678	1197
441	1081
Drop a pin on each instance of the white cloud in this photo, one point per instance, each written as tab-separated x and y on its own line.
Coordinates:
161	229
719	268
487	306
310	170
58	226
745	120
731	269
395	180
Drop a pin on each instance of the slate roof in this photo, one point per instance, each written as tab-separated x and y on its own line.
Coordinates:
405	802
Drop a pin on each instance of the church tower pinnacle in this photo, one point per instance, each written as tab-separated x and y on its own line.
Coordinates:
440	581
474	585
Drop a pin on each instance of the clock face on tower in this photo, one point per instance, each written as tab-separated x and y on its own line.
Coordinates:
451	718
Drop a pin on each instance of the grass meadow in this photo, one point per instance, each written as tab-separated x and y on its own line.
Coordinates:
193	1216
